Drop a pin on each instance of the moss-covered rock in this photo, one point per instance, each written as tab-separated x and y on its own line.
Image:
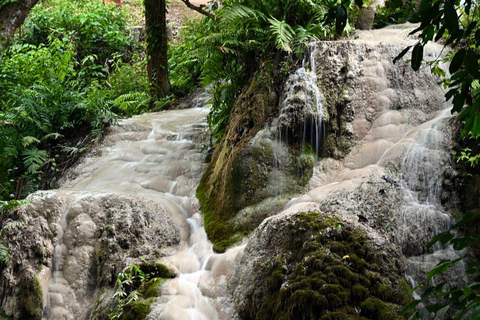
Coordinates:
251	163
30	299
221	191
137	310
323	268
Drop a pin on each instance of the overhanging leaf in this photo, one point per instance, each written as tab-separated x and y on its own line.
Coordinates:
457	61
400	56
471	63
417	56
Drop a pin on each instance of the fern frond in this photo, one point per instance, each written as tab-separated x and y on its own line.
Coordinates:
283	34
73	150
239	13
34	159
4	254
28	140
11	225
53	135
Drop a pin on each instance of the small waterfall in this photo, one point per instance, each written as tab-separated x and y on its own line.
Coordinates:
301	111
423	168
300	120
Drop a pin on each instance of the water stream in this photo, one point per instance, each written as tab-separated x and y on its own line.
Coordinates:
164	165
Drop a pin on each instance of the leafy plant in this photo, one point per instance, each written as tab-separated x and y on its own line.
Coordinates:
227	49
442	302
128	283
7	206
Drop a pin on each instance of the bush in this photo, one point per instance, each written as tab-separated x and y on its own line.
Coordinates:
97	33
55	90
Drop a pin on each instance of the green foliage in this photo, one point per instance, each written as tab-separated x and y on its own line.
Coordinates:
437	299
225	51
136	285
456	22
66	76
6	207
42	102
97	33
467	156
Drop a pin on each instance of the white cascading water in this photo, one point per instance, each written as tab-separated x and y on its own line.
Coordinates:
303	103
164	166
423	169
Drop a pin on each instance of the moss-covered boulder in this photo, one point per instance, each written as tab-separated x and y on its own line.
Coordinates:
315	266
266	153
220	192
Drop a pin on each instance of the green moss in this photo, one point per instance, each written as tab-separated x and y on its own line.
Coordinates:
330	276
338	316
373	308
30	300
152	288
137	310
157	270
385	292
359	293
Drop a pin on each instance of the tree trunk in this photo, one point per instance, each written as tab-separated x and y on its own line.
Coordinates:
12	16
156	27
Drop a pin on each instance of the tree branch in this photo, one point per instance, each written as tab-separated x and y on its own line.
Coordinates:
199	9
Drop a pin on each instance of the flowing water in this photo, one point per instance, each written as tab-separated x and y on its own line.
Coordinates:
302	108
161	164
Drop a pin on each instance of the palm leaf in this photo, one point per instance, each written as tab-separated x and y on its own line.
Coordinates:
53	135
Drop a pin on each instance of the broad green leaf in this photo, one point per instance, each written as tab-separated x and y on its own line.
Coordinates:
458	102
440	33
443	237
457	60
400	56
417	56
471	63
469	29
451	18
439	269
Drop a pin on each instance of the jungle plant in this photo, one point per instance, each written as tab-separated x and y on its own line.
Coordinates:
128	283
227	50
97	34
137	285
455	302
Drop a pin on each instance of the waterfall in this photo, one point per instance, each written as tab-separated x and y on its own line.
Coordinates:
159	168
423	168
302	108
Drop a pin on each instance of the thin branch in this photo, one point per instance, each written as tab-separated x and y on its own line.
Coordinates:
199	9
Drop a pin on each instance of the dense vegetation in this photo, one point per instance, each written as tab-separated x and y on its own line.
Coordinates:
70	72
73	68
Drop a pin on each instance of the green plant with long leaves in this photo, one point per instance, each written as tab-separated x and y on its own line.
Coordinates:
5	207
128	282
441	301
